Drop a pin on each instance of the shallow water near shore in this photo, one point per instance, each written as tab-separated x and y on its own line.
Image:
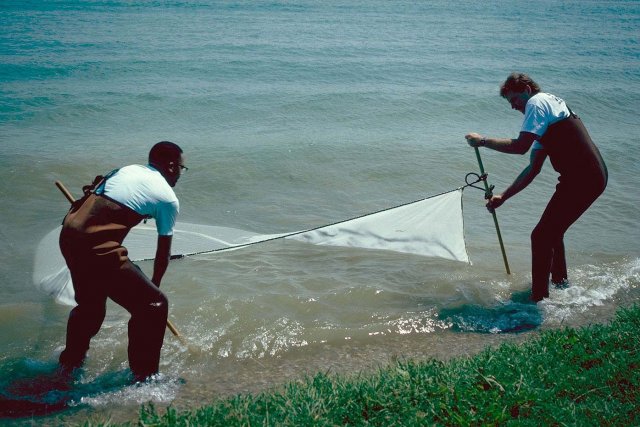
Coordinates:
292	116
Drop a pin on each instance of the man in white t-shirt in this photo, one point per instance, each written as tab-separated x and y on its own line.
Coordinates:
91	242
550	129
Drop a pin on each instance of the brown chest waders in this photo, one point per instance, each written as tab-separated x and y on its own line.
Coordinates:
91	243
583	177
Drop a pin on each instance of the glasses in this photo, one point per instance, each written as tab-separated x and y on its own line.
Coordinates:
183	168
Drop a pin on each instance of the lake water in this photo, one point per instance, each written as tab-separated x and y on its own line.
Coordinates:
294	115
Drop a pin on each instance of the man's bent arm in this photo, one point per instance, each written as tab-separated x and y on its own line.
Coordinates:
161	262
510	146
536	160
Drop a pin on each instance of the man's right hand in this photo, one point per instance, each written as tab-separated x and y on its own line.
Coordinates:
495	202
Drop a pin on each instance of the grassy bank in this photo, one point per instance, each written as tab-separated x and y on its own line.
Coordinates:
584	377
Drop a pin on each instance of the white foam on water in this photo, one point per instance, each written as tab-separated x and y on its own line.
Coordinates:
590	286
159	389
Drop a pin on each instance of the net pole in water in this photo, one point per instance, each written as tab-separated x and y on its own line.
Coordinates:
493	212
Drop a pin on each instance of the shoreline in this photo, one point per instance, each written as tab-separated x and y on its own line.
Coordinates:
529	381
331	362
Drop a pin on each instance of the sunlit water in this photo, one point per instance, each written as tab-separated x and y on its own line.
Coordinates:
294	116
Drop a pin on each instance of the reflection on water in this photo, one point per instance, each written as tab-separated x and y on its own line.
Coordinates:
31	388
513	316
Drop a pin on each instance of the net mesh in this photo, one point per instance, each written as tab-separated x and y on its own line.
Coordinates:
431	227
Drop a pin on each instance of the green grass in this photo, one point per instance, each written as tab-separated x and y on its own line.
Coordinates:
584	377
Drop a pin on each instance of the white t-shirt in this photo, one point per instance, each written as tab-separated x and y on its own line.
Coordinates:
146	191
541	111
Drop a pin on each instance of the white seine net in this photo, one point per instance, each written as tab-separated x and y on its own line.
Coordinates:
431	227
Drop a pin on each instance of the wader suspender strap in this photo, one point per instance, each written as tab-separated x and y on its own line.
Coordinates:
98	182
87	190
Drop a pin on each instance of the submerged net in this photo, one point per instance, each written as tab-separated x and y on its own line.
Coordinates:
431	227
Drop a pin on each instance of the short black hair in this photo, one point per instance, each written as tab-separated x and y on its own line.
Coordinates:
164	152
